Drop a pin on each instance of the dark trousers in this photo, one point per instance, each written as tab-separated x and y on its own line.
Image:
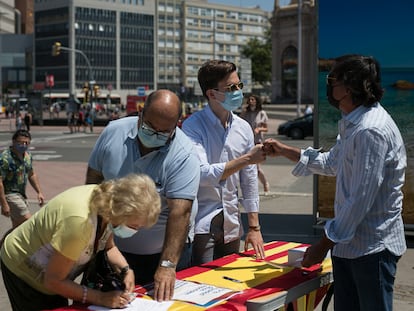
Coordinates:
144	266
24	297
364	283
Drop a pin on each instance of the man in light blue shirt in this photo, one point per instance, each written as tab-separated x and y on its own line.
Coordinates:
154	145
225	147
369	160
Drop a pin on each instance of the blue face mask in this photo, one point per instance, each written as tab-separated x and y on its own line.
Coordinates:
123	231
233	100
20	148
150	139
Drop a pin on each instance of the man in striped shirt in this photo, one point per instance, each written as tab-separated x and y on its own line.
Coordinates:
366	234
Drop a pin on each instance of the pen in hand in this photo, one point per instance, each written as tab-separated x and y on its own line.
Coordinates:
231	279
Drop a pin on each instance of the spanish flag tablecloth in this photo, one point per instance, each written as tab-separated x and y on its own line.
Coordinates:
252	279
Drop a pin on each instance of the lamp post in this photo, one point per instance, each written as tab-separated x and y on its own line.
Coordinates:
299	61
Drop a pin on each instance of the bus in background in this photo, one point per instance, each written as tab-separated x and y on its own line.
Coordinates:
104	103
109	102
134	104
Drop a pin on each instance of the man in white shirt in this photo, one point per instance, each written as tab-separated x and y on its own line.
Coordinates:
228	157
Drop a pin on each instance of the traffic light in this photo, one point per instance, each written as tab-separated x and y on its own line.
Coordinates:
56	49
86	91
96	90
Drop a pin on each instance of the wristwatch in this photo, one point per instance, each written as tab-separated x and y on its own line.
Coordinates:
167	264
124	271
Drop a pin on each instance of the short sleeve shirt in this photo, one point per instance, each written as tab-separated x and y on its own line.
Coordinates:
14	171
64	225
174	168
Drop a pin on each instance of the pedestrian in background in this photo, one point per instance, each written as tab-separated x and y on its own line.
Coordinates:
19	121
41	259
228	156
308	110
254	114
16	168
366	234
151	143
27	120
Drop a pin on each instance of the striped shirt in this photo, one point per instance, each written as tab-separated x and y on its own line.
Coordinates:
369	161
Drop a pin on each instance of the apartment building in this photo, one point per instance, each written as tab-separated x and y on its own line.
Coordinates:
194	31
7	17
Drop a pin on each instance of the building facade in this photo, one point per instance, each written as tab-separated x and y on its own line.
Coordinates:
109	43
285	51
7	17
194	31
130	44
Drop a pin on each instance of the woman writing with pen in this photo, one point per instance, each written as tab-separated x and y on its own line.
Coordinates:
41	258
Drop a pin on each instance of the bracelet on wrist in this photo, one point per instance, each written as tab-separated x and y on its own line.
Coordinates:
84	294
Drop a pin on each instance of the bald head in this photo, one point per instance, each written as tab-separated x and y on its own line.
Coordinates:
163	104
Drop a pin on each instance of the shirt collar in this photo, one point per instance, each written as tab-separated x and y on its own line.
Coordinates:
355	115
215	120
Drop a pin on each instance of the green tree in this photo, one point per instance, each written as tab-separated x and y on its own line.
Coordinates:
260	54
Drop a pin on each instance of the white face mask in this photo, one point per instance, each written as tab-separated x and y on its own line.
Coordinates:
123	231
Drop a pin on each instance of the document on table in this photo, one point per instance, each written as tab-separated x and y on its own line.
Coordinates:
197	293
200	294
139	304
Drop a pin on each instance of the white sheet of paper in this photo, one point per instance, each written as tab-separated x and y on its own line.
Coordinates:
197	293
186	291
139	304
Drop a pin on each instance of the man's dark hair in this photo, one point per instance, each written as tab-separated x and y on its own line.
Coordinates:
212	72
361	75
21	133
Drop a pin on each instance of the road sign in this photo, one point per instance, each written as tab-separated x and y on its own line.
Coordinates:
141	91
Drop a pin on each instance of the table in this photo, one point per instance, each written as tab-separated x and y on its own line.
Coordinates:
263	287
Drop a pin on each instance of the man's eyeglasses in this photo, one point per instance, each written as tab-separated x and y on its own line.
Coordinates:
146	129
233	87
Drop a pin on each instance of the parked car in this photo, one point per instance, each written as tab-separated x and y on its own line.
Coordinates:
298	128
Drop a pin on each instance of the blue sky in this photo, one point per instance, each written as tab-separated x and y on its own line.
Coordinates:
266	5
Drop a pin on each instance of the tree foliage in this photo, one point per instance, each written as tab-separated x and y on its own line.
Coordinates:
260	54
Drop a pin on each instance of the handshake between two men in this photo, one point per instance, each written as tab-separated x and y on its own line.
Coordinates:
273	148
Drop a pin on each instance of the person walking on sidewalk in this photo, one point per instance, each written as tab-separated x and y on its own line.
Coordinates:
366	234
254	114
16	168
27	120
228	156
151	143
